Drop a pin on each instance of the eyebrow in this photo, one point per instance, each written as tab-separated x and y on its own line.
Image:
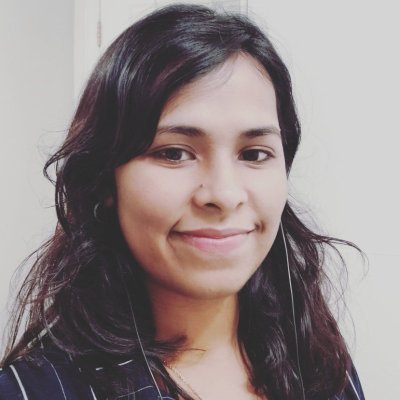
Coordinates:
192	131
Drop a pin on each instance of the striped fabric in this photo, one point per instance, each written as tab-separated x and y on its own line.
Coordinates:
57	378
49	381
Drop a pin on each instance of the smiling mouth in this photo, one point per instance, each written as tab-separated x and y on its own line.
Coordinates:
214	241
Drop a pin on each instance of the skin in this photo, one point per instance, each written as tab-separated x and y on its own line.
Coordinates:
216	162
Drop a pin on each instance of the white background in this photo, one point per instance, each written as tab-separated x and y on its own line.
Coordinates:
345	64
36	102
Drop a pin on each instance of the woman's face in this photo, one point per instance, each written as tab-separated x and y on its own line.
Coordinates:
201	208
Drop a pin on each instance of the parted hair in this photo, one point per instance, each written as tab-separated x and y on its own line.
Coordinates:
84	284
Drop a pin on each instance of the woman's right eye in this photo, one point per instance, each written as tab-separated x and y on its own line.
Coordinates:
174	154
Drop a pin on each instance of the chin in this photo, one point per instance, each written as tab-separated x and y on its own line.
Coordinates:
217	287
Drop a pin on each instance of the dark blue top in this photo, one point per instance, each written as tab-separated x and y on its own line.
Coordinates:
58	378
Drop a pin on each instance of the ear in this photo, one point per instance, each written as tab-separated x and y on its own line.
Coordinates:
109	201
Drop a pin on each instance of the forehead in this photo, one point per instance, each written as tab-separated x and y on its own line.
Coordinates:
239	90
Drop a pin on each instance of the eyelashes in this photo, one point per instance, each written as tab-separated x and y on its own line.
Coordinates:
174	154
255	155
177	155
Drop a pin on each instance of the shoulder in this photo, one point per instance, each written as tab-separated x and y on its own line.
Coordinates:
353	389
49	377
53	376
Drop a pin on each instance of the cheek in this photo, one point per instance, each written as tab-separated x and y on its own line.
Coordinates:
270	192
271	202
148	200
278	192
142	205
271	214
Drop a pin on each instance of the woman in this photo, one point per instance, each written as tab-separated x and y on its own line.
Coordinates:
178	268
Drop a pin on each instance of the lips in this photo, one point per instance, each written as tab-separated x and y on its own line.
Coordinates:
220	241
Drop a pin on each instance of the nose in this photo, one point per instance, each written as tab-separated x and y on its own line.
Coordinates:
221	188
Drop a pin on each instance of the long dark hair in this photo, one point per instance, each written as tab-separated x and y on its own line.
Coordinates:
84	284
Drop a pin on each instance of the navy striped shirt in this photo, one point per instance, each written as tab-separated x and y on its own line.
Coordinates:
58	378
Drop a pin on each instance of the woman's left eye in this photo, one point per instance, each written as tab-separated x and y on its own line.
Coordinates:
255	155
174	154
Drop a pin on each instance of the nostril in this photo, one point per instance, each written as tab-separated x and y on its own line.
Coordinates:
219	196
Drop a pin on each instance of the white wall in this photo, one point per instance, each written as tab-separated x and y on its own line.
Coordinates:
36	91
345	61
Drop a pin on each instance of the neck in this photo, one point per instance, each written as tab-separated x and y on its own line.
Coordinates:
211	347
208	325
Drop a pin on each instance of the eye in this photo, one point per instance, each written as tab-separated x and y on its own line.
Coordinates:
174	154
255	155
